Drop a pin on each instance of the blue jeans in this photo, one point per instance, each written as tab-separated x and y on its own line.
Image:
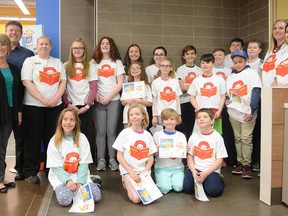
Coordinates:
213	184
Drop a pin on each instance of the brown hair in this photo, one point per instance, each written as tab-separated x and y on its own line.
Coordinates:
6	40
145	121
143	76
168	113
208	111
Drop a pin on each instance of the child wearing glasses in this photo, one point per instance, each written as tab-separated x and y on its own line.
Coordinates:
165	92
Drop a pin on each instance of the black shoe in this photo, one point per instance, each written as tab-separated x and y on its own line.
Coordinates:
33	180
96	179
10	184
19	176
3	190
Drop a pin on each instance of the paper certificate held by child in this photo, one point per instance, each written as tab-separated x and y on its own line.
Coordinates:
199	192
83	200
133	90
146	189
239	103
171	148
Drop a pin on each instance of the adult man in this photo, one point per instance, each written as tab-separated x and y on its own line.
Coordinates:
17	57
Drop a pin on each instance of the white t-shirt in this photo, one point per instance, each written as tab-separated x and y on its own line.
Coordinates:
207	91
151	72
107	72
242	84
169	162
45	75
136	147
257	65
166	93
187	75
206	149
78	86
281	66
65	156
223	72
148	97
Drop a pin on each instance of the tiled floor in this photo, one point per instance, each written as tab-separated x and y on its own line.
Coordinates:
240	198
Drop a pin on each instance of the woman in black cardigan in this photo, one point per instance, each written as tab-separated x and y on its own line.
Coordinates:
11	96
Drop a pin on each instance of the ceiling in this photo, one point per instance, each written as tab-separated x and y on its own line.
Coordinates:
11	3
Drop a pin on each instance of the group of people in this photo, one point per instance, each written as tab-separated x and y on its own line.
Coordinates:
50	104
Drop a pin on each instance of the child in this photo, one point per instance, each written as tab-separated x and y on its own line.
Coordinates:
244	83
219	68
165	92
208	91
68	156
136	73
253	51
129	144
235	43
106	58
133	54
169	172
205	168
186	74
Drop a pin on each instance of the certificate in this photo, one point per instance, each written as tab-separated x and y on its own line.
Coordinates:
171	148
133	90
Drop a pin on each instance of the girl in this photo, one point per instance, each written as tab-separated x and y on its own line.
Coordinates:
136	73
130	144
68	156
81	83
110	72
165	92
133	54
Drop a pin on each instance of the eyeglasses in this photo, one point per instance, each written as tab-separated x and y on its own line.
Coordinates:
165	66
136	68
78	48
159	55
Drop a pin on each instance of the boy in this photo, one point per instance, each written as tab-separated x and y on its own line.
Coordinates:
186	74
219	68
243	90
205	157
235	43
169	172
253	51
208	91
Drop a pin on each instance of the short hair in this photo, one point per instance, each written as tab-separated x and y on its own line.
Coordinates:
14	22
219	49
255	41
207	58
237	40
145	121
186	49
208	111
6	40
44	37
168	113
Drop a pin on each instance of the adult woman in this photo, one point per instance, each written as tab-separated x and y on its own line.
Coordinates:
11	94
111	72
81	83
274	54
44	79
133	54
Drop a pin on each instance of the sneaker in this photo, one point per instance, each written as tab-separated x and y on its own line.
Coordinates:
101	164
247	172
96	179
238	169
33	180
113	164
255	167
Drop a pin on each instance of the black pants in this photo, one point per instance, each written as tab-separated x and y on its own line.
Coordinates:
19	143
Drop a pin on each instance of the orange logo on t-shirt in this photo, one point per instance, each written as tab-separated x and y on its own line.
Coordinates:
203	150
282	68
222	74
168	94
190	77
49	76
208	90
238	88
71	162
106	71
139	150
78	76
269	64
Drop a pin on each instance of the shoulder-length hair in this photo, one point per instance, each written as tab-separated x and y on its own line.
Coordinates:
145	121
172	72
143	76
127	60
70	65
6	40
59	134
114	52
273	42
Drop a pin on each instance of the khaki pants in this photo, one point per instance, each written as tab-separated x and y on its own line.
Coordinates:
243	134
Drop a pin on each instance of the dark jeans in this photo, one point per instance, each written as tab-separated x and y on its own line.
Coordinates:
19	151
213	185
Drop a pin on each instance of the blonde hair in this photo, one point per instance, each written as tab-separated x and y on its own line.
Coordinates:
70	65
273	42
44	37
172	73
169	113
6	40
59	134
145	121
